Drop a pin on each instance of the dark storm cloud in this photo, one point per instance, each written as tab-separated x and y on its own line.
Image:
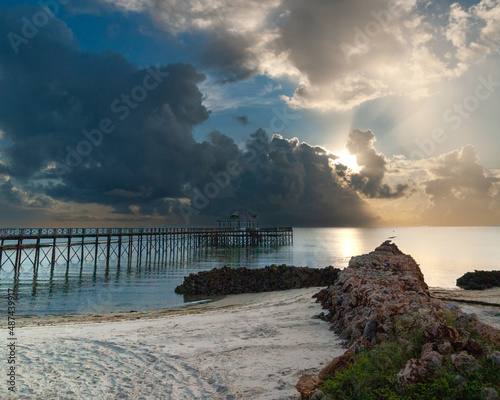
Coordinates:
144	160
228	53
288	183
374	167
52	92
297	183
242	119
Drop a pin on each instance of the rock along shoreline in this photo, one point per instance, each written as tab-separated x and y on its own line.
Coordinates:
225	280
479	280
382	297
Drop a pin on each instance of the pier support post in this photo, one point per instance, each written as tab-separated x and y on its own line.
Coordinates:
36	261
19	250
53	260
119	248
82	254
108	249
1	253
69	254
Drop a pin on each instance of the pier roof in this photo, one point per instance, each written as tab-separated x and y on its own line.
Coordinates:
239	216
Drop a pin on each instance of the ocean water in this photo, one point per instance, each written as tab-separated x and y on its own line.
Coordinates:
444	254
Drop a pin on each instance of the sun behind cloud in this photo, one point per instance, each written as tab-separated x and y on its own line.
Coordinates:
348	159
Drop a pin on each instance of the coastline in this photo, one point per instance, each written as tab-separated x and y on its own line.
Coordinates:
402	341
487	299
248	346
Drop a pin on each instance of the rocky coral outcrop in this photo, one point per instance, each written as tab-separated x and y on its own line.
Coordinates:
307	385
374	292
225	280
414	371
479	280
464	362
383	295
489	394
433	360
338	364
495	357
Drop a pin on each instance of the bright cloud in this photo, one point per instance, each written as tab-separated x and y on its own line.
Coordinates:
451	189
339	54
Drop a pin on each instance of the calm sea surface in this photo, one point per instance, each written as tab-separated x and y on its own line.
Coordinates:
444	254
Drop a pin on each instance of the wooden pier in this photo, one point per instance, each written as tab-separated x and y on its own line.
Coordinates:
52	246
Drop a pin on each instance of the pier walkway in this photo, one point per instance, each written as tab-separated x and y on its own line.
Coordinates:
29	246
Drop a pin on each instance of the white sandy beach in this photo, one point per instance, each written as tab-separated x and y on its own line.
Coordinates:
253	346
256	350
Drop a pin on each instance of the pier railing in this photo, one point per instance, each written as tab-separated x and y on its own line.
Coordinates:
7	233
33	246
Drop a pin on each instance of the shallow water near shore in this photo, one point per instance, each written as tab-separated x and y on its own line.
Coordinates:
444	254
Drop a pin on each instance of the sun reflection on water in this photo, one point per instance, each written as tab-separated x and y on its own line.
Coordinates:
349	242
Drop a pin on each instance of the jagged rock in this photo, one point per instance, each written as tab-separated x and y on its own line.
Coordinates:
470	323
427	348
383	295
225	280
414	372
317	395
479	280
433	360
489	394
464	321
465	362
437	332
320	295
370	331
486	331
306	386
474	348
495	357
361	344
445	347
381	286
338	364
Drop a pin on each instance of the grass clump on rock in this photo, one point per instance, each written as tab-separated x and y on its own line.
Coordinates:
373	375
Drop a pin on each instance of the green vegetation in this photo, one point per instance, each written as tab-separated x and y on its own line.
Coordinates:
372	376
